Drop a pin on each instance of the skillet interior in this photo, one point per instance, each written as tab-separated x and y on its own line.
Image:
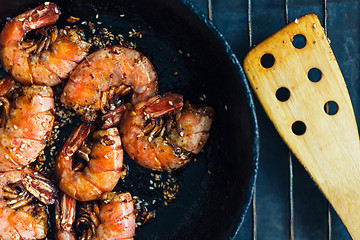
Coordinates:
216	191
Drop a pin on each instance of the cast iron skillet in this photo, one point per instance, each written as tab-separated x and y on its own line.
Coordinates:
216	190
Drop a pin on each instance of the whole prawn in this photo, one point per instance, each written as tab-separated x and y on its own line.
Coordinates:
47	61
26	124
114	219
105	73
21	217
104	167
162	133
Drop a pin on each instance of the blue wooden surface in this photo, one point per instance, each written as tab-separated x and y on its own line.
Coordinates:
272	193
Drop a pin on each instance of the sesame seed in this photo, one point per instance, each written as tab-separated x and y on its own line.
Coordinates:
105	156
15	127
46	3
171	103
97	16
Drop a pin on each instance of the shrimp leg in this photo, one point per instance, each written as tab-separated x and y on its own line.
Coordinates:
65	211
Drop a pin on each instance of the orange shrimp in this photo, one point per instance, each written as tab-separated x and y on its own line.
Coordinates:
20	216
47	61
26	125
113	220
164	144
103	170
107	72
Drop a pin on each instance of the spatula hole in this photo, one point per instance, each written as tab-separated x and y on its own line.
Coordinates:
298	128
331	107
282	94
299	41
267	60
314	75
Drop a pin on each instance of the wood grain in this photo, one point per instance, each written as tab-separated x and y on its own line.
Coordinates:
330	148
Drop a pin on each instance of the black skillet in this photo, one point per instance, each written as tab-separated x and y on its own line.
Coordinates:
191	58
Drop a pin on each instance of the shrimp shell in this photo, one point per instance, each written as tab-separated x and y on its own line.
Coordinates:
90	86
27	127
104	167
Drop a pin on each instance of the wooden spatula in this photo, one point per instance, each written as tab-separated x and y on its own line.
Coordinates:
295	76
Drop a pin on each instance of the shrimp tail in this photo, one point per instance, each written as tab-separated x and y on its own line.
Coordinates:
45	14
65	211
72	144
32	19
161	105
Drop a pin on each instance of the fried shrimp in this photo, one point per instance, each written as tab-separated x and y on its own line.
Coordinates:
162	133
106	73
103	169
26	124
113	219
21	217
46	61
